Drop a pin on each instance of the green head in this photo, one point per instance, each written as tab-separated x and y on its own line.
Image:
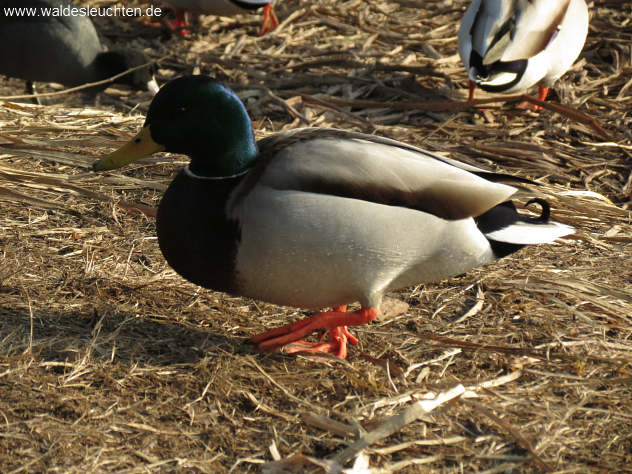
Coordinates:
195	116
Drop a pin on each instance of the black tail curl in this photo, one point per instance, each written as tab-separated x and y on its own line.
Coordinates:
504	215
546	211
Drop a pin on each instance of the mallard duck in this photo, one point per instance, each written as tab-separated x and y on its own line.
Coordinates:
317	217
62	49
510	45
223	8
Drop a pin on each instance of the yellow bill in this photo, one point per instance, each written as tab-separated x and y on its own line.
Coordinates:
140	146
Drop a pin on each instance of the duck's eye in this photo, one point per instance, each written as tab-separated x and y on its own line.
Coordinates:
137	140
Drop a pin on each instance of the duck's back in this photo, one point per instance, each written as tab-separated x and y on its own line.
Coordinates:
41	47
327	221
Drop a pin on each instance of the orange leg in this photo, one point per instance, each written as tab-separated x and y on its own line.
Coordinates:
542	93
350	337
180	24
472	85
335	322
270	20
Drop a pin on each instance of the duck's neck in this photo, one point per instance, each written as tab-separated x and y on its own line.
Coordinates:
236	154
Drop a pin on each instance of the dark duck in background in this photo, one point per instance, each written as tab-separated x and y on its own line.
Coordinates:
63	49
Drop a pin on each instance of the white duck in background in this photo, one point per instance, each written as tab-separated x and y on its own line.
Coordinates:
222	8
511	45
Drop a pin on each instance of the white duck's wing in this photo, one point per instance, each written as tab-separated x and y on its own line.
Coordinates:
516	29
535	25
374	169
488	20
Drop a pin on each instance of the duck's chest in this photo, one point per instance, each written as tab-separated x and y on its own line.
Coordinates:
197	239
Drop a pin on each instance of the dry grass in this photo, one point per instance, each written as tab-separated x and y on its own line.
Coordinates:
111	362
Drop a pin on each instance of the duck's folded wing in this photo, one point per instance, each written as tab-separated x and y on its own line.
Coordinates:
537	24
520	32
375	171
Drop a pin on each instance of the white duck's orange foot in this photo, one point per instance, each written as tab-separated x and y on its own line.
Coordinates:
289	336
542	93
471	88
270	20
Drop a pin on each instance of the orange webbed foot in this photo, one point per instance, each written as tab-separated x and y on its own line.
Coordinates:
337	344
289	336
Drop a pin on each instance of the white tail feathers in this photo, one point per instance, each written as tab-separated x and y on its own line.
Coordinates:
524	233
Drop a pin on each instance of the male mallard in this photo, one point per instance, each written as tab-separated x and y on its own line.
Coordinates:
223	8
511	45
317	217
62	49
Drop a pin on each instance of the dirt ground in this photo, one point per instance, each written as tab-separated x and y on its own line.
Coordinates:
111	362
